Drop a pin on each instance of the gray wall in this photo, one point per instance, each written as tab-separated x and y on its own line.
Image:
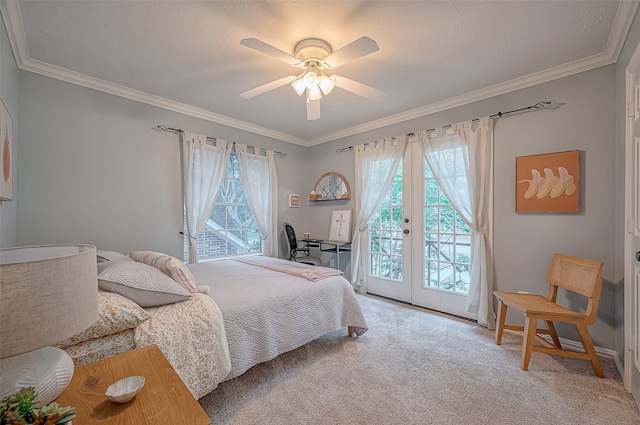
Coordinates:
524	243
93	171
9	95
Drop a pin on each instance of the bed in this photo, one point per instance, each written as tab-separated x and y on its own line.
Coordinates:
214	320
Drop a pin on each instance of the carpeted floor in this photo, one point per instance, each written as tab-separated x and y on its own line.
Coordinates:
414	366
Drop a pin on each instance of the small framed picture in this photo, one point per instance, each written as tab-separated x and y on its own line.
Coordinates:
6	147
340	230
294	201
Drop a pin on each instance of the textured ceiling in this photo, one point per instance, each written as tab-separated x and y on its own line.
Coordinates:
186	55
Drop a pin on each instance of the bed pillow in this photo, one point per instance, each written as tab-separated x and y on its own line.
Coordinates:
172	266
142	284
104	257
115	314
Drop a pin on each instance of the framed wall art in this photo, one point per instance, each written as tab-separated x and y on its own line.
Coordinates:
294	201
6	147
548	183
340	230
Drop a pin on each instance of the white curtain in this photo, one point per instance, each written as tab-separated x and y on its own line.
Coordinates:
461	160
260	182
375	167
203	167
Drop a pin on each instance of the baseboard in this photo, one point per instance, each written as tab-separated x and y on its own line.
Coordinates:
602	352
620	367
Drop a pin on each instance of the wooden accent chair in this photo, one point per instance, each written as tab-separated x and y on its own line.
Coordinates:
575	274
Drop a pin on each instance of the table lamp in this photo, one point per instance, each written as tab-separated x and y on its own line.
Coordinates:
47	293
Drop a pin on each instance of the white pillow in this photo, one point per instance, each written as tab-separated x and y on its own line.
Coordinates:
142	284
105	257
171	266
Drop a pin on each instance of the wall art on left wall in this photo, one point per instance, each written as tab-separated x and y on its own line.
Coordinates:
6	147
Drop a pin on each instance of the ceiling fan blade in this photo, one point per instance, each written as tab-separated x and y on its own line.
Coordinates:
357	49
269	86
267	49
359	88
313	110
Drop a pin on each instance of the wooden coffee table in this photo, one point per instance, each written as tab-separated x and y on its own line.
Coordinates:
164	399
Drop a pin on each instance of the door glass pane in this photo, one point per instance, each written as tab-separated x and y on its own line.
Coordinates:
447	254
385	266
385	254
431	274
396	218
396	243
396	267
385	242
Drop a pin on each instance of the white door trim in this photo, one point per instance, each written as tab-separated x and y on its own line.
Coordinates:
631	223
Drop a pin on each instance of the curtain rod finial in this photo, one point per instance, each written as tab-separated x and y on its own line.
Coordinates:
542	105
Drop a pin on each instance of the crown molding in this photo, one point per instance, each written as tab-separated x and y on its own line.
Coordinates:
15	30
474	96
13	22
17	38
139	96
622	22
621	25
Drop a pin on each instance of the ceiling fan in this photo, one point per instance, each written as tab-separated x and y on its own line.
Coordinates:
314	56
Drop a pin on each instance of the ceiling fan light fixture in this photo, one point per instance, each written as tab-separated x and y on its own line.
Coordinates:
299	86
313	56
314	93
311	80
326	84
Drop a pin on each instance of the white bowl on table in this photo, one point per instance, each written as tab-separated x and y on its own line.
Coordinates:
125	389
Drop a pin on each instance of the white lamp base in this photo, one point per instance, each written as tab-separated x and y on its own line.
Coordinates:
48	370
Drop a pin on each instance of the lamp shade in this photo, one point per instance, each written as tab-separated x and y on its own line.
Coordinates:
47	293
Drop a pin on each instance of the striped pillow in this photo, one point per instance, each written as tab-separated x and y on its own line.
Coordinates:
172	266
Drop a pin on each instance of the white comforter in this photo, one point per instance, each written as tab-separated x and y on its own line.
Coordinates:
267	313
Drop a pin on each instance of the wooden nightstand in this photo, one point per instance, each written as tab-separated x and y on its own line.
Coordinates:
164	399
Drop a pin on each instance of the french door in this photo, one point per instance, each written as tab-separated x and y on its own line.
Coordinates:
419	247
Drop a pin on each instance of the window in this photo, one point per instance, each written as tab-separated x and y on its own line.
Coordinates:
231	228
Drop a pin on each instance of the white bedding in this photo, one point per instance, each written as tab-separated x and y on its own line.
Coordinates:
190	334
222	347
267	313
192	337
251	315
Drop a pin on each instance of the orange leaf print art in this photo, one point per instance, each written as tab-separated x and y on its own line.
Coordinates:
6	157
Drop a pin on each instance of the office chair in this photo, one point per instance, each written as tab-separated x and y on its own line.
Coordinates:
293	251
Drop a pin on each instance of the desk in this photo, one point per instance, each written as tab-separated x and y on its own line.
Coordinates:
330	246
164	399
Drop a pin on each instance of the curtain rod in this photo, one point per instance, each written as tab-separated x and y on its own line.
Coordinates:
177	130
539	105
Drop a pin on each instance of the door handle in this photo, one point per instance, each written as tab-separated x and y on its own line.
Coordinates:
405	231
638	256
